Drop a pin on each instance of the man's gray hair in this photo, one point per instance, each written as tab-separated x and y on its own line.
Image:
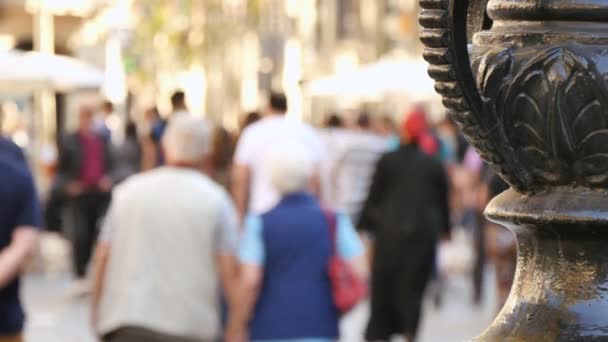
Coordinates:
291	168
187	139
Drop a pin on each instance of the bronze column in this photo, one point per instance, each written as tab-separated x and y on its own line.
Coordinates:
527	81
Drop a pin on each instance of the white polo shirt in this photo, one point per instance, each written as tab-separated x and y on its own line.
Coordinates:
256	144
166	227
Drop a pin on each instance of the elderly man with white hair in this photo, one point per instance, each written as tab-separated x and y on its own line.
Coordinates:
284	292
168	239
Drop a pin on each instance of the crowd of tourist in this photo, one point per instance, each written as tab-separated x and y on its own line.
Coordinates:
182	231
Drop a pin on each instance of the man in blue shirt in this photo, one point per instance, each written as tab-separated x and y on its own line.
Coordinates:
20	220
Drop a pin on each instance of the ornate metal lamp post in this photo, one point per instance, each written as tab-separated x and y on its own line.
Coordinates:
531	94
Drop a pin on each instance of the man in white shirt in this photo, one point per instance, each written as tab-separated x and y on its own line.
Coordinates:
252	189
348	169
169	238
178	108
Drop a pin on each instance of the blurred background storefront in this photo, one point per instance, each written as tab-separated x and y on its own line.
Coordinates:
327	55
228	54
34	103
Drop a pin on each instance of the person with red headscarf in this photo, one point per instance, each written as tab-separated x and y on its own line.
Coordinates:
406	213
416	130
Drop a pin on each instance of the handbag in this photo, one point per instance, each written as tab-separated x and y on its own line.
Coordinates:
348	289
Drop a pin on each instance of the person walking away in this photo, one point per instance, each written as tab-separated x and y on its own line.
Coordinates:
387	127
334	121
363	122
109	124
100	121
285	255
222	151
453	143
127	157
249	119
84	181
251	185
331	136
151	118
406	212
220	170
20	221
169	238
352	155
178	107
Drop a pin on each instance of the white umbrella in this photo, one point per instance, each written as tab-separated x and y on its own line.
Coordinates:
375	80
22	73
16	79
65	73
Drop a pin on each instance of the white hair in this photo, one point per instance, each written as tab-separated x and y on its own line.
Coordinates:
290	168
187	139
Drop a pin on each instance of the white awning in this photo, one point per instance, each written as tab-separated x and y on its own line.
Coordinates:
385	77
65	73
22	73
15	79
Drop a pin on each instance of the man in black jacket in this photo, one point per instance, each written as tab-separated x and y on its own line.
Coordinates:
406	213
84	184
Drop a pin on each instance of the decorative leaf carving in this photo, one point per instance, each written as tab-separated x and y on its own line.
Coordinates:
556	116
542	119
526	120
446	52
586	113
495	74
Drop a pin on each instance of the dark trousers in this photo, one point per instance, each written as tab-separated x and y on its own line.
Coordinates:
87	211
399	279
137	334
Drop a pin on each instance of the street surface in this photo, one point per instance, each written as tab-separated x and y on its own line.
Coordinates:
57	314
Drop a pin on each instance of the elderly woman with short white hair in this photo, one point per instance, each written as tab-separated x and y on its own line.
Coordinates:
285	292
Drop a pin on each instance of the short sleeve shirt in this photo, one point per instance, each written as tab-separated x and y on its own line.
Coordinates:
252	251
19	207
225	231
165	229
257	143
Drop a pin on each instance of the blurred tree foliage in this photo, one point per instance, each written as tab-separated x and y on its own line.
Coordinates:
171	35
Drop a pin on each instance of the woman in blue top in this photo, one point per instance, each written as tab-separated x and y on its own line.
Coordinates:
284	292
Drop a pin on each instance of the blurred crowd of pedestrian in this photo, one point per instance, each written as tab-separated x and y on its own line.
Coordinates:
185	231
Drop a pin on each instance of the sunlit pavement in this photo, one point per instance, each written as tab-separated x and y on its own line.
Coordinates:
57	314
456	320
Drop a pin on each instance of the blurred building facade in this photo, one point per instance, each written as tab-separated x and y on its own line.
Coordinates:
327	37
46	26
226	54
18	18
